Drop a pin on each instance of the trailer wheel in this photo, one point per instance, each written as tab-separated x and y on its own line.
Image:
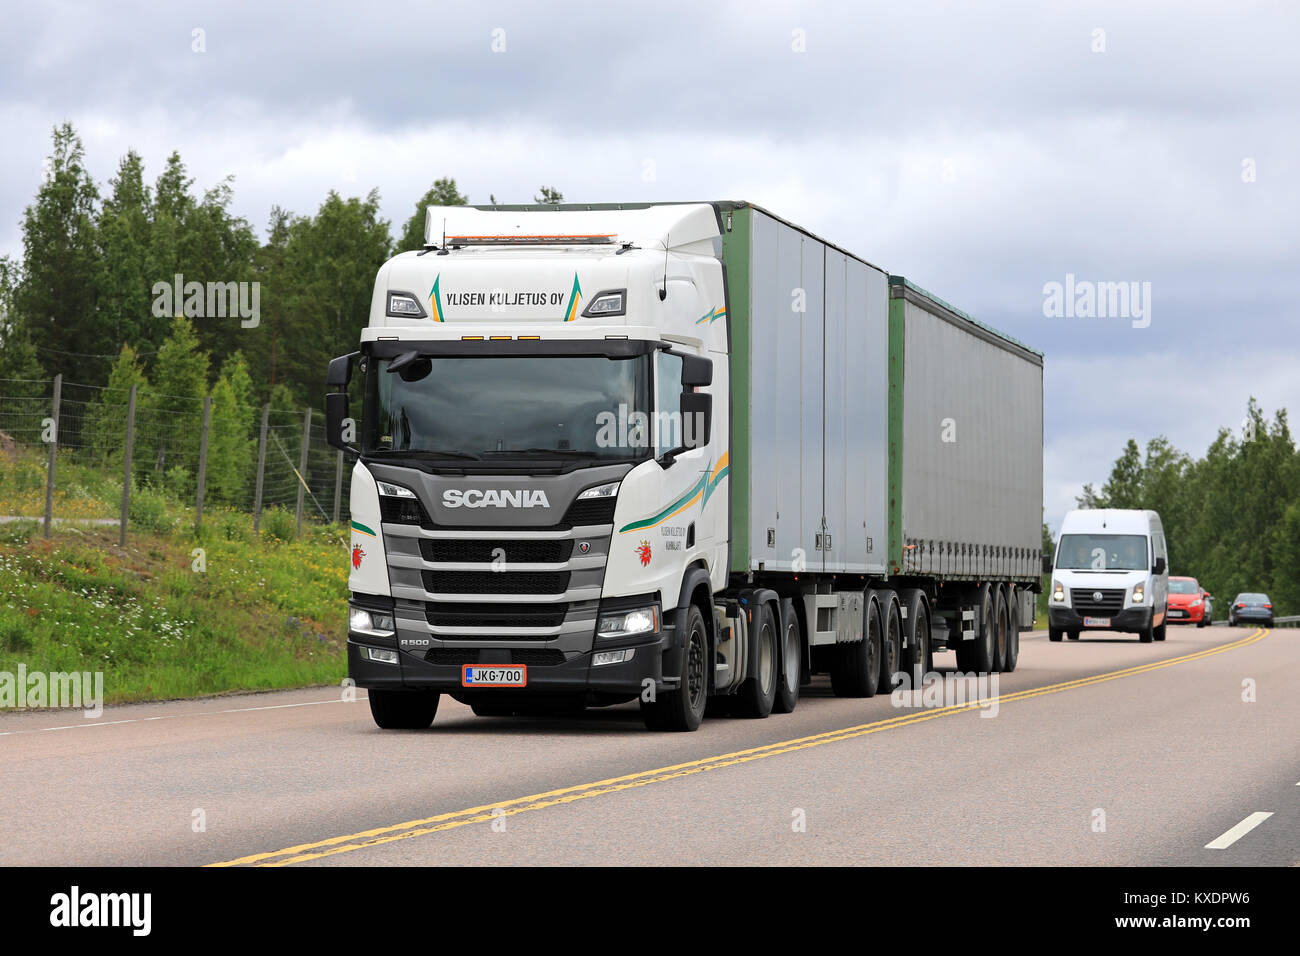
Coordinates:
758	692
403	709
997	596
683	709
917	656
856	672
787	687
1013	629
980	654
891	658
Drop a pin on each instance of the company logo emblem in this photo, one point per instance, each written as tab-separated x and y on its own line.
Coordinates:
357	555
643	552
494	498
584	547
1096	595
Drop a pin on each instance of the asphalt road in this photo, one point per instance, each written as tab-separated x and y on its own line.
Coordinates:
1100	752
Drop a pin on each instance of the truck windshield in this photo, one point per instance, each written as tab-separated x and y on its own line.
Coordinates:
1102	552
501	406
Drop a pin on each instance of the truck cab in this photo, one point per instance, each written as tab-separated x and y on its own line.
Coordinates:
543	432
1110	573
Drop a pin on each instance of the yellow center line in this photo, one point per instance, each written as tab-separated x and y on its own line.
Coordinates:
539	801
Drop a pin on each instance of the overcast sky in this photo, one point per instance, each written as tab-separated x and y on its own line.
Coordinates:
982	153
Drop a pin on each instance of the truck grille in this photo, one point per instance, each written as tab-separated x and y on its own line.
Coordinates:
1084	601
496	582
495	615
443	550
528	656
590	511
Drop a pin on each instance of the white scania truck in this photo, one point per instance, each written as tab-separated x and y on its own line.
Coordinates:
675	453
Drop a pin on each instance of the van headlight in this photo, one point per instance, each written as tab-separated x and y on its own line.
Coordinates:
1139	593
1058	592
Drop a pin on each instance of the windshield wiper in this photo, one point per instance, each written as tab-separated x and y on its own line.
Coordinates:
568	452
426	453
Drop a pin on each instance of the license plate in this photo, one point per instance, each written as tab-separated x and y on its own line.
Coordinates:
477	675
1096	622
1175	613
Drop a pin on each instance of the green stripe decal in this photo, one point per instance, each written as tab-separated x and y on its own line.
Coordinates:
435	299
696	489
358	526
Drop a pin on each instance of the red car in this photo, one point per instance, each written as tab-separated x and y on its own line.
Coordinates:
1188	602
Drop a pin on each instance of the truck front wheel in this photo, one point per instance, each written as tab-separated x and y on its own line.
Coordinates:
403	709
683	709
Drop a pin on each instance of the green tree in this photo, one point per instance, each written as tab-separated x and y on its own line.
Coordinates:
550	196
172	423
443	192
104	433
232	446
1123	489
1285	589
125	297
269	268
55	304
21	376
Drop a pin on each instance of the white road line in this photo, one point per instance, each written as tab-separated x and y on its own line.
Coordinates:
139	720
1239	831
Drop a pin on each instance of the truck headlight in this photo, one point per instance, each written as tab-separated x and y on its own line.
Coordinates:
1058	592
642	620
405	305
367	621
1139	594
607	490
607	303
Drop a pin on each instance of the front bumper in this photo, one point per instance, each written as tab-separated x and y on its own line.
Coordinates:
576	675
1130	620
1186	614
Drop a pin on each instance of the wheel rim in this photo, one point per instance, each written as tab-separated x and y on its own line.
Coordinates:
921	645
873	641
895	647
695	670
767	660
791	657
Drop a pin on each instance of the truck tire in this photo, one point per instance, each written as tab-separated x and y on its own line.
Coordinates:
403	709
758	692
917	656
891	641
787	685
1001	628
856	672
977	655
683	709
1013	630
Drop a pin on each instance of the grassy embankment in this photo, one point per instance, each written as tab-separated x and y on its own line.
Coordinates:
263	612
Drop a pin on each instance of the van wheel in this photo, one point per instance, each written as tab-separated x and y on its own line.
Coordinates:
403	709
856	672
758	693
1159	632
1147	634
1073	635
787	687
1054	635
683	709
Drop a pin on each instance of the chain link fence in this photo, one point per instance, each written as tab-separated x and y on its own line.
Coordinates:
125	456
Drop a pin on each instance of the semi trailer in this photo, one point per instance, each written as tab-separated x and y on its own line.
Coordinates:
686	454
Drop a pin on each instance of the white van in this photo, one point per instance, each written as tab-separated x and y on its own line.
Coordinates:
1110	574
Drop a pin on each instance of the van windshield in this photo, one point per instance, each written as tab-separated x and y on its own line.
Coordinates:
1102	552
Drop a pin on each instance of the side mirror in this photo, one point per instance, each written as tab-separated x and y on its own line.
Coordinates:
696	370
340	370
1158	567
697	418
336	418
1047	564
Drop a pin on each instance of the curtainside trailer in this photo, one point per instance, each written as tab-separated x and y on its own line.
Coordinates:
674	453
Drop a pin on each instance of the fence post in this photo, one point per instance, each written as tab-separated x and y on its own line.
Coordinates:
126	467
203	464
54	447
302	466
338	486
261	469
